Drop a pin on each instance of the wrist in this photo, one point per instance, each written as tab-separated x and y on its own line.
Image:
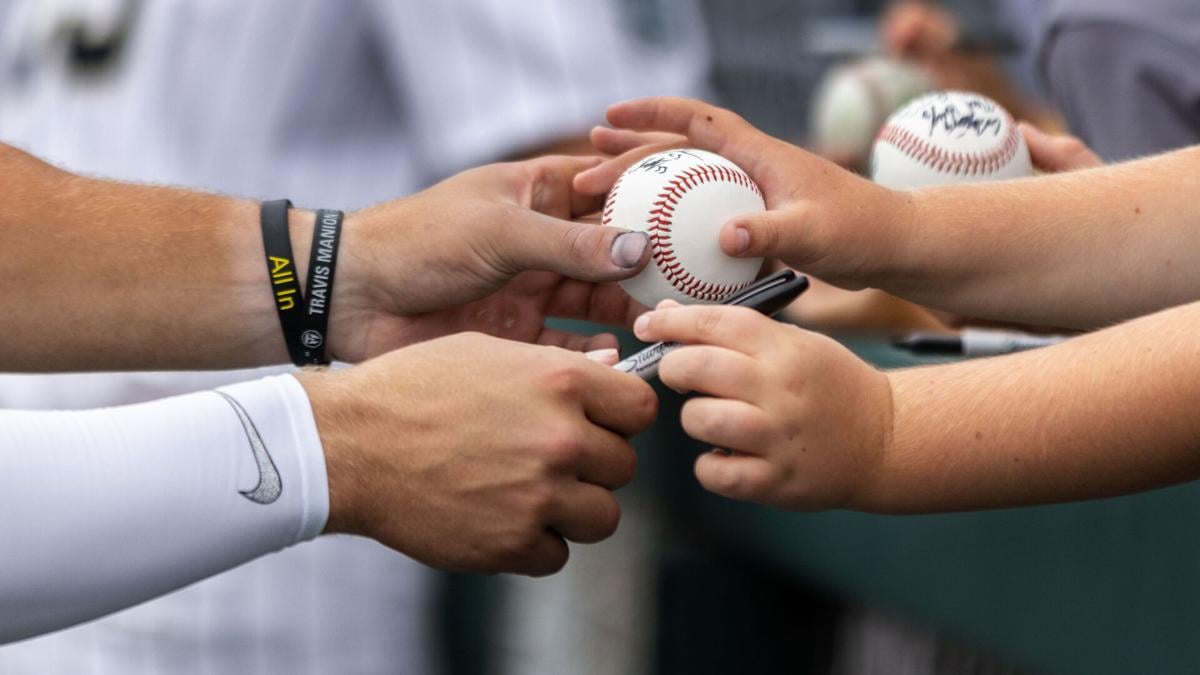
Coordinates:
351	302
334	407
348	300
892	226
300	230
870	493
362	295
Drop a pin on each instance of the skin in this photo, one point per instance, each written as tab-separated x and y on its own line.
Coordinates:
1074	241
828	308
814	427
466	452
1053	153
811	426
473	454
133	277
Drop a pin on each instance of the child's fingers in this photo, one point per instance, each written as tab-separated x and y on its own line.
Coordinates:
706	126
727	423
742	477
619	141
738	328
716	371
600	179
771	234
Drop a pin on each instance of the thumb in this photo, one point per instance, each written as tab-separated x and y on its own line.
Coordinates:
582	251
768	234
1053	154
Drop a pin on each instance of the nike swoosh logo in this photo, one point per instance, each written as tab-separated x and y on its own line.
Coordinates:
270	485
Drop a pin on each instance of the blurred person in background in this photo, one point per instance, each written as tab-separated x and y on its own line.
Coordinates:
987	47
333	104
1123	74
1118	73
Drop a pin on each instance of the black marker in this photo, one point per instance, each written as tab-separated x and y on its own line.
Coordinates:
767	295
975	342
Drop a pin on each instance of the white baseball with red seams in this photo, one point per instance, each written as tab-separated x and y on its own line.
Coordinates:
681	198
949	137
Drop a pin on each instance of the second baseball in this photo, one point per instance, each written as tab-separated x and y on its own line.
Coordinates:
681	198
949	137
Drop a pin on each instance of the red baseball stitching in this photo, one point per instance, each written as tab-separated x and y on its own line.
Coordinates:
662	212
970	163
611	203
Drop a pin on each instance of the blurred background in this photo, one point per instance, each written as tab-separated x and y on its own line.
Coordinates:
349	102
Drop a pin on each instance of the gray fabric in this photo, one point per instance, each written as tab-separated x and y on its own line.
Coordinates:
1178	20
1125	75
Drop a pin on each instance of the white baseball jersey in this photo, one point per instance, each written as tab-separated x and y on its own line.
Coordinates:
332	103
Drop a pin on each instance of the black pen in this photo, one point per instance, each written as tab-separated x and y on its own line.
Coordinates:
768	295
975	342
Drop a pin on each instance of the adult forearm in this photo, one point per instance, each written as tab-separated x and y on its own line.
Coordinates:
103	275
1080	249
1105	414
104	509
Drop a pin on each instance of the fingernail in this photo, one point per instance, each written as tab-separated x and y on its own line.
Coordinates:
642	323
606	356
627	249
741	240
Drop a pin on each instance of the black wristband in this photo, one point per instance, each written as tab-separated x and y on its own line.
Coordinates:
321	265
281	268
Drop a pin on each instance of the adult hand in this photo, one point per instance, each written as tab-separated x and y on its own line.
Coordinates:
491	250
820	218
476	454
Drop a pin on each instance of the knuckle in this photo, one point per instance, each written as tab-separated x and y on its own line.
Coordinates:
563	450
543	503
624	467
676	368
583	242
551	561
726	482
631	467
745	315
765	237
467	337
708	324
514	177
567	380
647	405
540	169
712	424
609	519
1072	145
510	550
723	117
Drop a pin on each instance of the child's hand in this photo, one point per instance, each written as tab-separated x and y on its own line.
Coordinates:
820	218
807	421
1055	153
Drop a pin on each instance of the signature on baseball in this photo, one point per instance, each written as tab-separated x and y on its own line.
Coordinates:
980	117
660	162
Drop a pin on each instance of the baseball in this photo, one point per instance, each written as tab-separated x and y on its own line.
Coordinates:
682	198
854	100
949	137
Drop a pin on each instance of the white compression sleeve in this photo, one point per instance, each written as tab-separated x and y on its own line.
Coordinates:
103	509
